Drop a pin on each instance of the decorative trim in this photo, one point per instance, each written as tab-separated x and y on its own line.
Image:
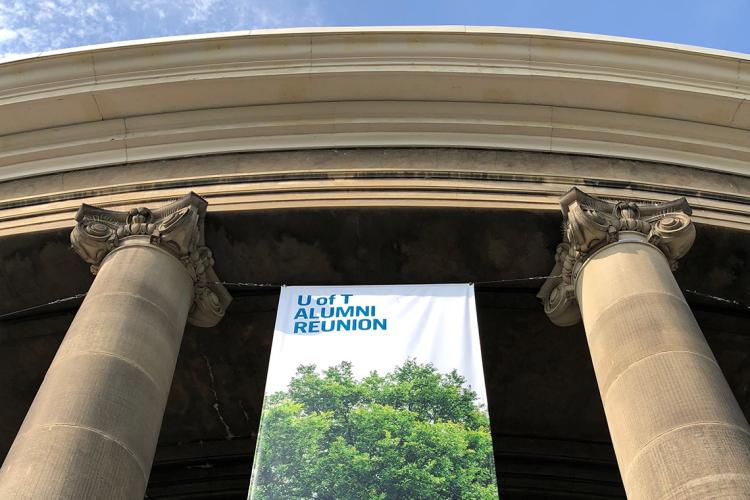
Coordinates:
591	224
456	86
176	228
334	191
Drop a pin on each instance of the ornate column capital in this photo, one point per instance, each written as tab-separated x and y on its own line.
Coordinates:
590	224
176	228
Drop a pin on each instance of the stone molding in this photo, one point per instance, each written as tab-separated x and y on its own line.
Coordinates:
590	224
535	90
404	177
177	228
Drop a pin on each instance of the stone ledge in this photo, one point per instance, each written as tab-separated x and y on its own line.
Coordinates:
375	87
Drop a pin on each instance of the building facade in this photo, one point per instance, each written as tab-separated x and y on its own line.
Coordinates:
194	176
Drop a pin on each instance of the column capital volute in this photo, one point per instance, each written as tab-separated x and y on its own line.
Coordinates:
590	224
176	228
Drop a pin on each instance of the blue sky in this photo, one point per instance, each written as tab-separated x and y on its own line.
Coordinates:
29	26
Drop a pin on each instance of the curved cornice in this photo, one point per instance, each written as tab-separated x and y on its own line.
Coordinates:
384	177
375	87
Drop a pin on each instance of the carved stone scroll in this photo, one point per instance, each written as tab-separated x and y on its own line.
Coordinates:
591	223
176	228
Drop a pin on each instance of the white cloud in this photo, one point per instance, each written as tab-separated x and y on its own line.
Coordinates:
30	26
200	10
7	34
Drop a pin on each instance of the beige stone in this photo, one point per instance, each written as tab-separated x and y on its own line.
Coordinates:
92	429
676	427
265	89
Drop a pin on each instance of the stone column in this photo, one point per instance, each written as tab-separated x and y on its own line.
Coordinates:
677	430
92	429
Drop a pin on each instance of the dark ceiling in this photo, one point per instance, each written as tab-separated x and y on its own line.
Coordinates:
550	435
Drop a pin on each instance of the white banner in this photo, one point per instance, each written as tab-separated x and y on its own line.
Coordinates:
375	392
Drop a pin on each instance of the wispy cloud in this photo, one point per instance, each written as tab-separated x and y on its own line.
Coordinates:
29	26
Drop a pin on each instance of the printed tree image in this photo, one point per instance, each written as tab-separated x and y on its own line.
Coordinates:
412	434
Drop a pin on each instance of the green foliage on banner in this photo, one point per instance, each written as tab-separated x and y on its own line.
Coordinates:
414	433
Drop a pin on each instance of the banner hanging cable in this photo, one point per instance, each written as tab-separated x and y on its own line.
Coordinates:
269	286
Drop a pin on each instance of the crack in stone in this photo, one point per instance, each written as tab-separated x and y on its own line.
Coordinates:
230	435
244	411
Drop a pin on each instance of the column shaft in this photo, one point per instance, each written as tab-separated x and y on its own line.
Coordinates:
676	427
93	427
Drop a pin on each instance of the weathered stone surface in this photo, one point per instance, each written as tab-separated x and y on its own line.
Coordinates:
176	228
591	224
107	385
676	427
548	424
92	429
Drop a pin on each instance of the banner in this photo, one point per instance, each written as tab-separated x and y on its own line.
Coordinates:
375	392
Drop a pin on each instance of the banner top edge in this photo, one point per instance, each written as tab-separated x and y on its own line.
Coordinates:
380	285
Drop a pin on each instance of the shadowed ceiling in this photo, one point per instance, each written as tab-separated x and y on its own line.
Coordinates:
550	435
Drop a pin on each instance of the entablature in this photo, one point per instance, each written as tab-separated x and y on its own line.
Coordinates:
392	177
456	86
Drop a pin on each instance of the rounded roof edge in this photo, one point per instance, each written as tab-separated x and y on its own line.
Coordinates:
436	29
422	86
